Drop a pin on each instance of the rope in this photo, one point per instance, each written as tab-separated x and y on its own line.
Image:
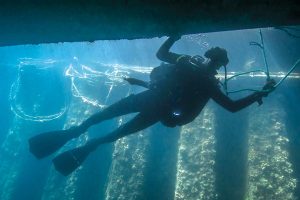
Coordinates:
225	81
264	53
289	72
268	90
240	74
267	72
288	30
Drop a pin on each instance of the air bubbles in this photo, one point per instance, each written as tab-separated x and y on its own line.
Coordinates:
199	39
28	96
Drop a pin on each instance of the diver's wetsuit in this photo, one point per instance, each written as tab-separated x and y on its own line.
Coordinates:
175	96
175	100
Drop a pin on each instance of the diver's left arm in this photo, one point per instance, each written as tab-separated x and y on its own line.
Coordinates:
164	53
235	105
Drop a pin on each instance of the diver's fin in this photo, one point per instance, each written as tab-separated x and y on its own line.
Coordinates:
44	144
69	161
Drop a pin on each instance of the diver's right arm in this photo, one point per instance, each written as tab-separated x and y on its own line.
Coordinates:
164	53
236	105
233	106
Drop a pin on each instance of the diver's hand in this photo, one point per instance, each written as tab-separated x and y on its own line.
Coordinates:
268	87
134	81
258	97
131	81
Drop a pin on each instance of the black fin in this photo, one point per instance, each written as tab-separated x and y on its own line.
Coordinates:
44	144
69	161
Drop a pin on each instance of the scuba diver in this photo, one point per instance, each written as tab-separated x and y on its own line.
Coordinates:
175	95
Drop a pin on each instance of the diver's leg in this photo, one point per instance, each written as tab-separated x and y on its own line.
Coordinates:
47	143
139	122
70	160
130	104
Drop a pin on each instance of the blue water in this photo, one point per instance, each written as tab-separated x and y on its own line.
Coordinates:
252	154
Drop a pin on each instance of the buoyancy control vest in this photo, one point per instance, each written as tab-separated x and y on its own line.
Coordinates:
187	84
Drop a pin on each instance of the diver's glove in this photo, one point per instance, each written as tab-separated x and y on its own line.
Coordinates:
134	81
131	81
268	87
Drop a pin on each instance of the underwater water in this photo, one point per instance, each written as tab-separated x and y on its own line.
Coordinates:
252	154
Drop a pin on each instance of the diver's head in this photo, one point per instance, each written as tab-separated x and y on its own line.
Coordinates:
217	57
